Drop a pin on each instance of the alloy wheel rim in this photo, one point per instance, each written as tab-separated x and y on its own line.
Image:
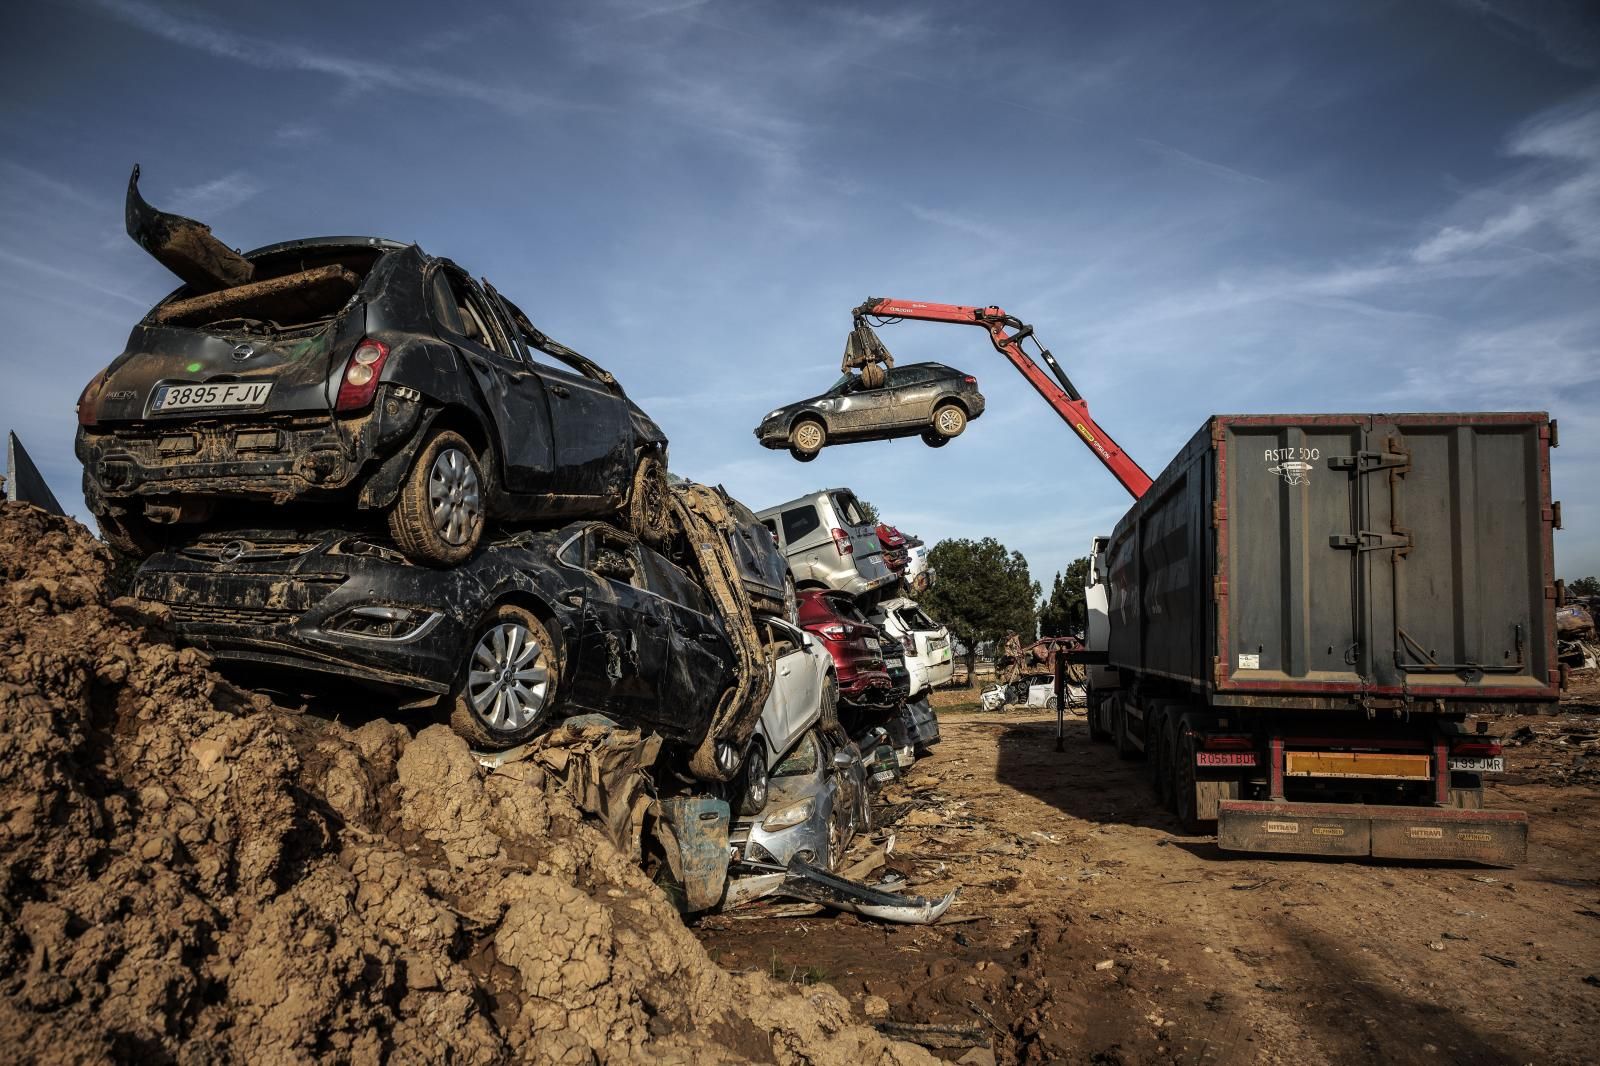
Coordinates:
454	498
949	420
507	680
809	437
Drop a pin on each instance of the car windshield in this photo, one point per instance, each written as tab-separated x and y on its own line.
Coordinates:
843	385
799	762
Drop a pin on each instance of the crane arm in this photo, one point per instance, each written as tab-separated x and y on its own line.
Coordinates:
1059	393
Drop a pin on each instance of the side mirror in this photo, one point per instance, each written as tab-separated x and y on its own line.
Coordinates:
807	640
843	759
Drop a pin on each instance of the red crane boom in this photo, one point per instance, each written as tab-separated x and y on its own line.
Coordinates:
1059	394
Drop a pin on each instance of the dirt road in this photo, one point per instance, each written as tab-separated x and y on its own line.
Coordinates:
1103	934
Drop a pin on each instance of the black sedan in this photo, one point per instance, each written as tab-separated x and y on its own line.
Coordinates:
359	372
531	629
927	399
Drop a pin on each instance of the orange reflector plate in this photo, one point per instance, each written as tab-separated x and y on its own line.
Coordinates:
1357	764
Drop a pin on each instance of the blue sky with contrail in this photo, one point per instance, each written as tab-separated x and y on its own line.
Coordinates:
1244	207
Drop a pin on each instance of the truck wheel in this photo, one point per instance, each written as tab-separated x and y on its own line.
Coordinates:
949	420
1158	755
806	438
507	689
1097	733
438	517
132	535
1185	804
649	502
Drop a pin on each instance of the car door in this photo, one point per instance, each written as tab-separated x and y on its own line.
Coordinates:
700	660
913	390
858	409
796	687
513	396
589	421
622	646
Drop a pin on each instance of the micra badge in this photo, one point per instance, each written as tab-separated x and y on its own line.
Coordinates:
1295	473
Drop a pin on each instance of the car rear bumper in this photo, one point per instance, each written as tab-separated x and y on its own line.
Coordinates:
1495	837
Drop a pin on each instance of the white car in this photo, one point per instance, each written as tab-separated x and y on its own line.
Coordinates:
1039	694
802	684
929	657
919	575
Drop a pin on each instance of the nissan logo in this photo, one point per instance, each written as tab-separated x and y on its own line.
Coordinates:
231	552
241	352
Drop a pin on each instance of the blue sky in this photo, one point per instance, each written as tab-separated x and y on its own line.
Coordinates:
1226	207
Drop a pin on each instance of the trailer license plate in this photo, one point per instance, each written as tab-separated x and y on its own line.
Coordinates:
1225	758
199	397
1495	764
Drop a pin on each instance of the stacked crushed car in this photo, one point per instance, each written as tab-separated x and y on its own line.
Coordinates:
342	462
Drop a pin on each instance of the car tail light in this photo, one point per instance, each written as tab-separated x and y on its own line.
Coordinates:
841	541
360	379
89	399
970	380
1476	748
833	632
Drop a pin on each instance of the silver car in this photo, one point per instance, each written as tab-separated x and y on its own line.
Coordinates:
829	542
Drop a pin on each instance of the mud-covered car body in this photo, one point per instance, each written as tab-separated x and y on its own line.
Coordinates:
650	650
902	407
819	800
762	565
249	393
828	542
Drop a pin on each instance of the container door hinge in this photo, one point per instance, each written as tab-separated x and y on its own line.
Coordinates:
1367	462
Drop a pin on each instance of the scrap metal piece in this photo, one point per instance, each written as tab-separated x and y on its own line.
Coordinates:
932	1034
182	245
806	882
24	483
695	828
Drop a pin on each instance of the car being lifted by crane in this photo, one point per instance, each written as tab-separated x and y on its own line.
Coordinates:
1296	618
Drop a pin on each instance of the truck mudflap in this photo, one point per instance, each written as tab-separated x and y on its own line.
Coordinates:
1498	838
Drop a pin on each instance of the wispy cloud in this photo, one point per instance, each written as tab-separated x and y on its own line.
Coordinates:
217	196
354	72
78	278
951	220
53	186
295	134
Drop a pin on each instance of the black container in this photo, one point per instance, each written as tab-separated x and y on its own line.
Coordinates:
1324	562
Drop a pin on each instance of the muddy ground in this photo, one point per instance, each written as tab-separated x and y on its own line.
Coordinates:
1102	933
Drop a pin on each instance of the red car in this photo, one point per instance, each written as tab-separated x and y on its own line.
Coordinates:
852	641
895	553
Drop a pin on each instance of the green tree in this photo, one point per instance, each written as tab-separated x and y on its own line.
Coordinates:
982	593
1584	586
869	511
1062	614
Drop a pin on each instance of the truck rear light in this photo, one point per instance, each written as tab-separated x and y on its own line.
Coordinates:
89	400
841	541
1226	743
1477	749
360	379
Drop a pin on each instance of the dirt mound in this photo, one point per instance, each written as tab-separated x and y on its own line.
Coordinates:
190	874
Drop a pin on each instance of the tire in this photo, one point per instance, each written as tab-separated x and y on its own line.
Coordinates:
1167	740
493	715
807	437
650	502
949	419
1096	733
1184	801
438	517
933	440
752	789
1050	704
132	535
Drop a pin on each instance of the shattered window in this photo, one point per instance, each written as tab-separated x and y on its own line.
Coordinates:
801	761
849	509
799	522
915	620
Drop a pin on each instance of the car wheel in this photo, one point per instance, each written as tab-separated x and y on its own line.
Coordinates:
1050	704
438	518
753	779
507	689
949	420
650	502
933	440
806	438
132	535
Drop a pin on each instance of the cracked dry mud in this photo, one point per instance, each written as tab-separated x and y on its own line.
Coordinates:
189	873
